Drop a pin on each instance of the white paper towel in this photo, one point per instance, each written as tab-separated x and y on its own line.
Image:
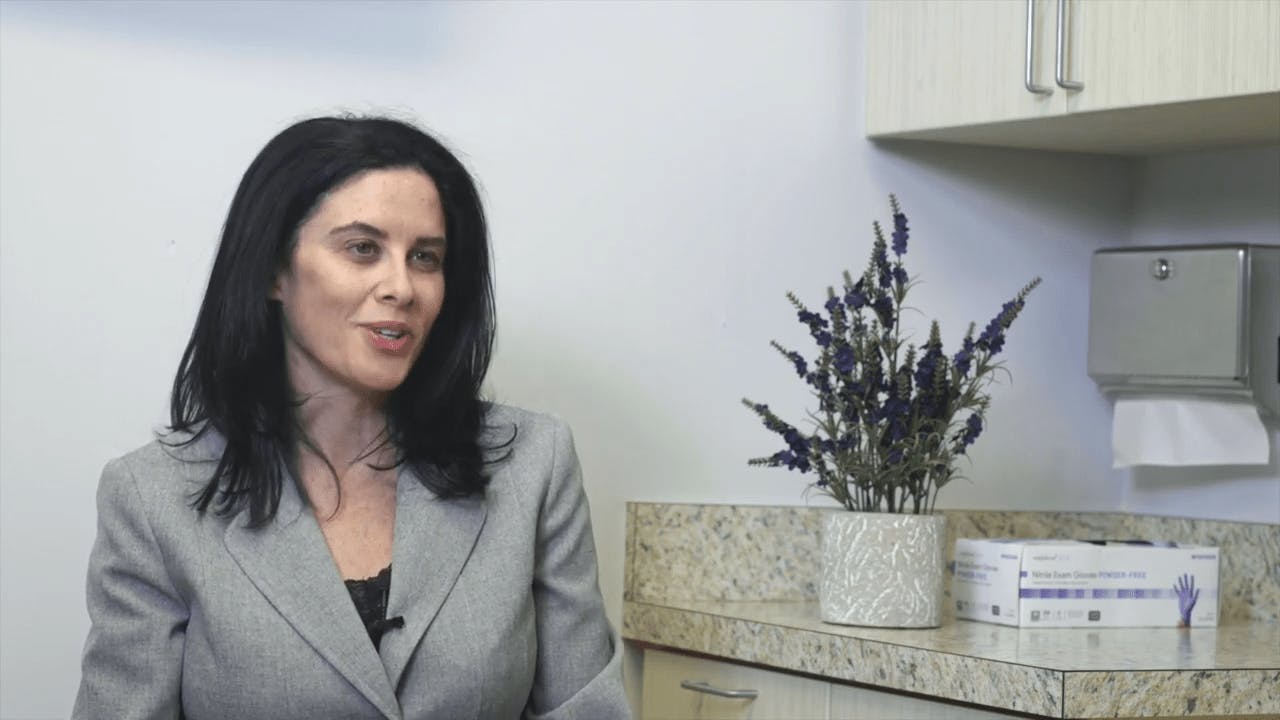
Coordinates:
1188	431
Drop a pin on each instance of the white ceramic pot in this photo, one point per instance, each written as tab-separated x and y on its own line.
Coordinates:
882	569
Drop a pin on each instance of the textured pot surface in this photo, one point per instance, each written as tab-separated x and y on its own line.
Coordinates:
882	569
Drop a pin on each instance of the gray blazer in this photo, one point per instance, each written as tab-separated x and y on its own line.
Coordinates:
203	618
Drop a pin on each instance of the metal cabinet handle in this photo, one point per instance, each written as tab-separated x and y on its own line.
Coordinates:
1059	66
702	687
1029	80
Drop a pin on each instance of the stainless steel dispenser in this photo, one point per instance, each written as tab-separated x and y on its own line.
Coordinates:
1190	319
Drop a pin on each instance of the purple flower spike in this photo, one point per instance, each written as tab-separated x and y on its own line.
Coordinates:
792	460
972	429
884	309
812	319
796	441
899	234
992	337
964	358
844	360
802	368
856	299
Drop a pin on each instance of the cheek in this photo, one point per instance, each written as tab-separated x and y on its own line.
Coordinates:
318	308
432	294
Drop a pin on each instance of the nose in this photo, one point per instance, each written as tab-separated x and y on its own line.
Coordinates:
395	286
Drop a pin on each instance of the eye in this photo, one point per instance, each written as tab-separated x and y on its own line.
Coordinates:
364	248
430	258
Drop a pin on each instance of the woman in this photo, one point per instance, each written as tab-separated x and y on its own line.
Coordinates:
336	525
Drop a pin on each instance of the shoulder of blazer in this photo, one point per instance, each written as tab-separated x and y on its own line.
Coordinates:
168	474
531	426
527	470
538	438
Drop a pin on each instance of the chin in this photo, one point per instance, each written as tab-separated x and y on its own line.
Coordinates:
387	386
383	383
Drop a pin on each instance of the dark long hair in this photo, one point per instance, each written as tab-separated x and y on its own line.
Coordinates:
232	377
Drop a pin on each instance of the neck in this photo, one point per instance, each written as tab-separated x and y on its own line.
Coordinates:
344	426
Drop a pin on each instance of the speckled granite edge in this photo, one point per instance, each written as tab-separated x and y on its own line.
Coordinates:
740	552
629	560
1172	693
1005	686
722	552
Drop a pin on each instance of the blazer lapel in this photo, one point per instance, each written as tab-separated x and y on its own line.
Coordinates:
289	562
434	539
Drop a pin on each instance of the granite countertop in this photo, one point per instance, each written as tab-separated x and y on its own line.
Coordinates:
1059	673
772	619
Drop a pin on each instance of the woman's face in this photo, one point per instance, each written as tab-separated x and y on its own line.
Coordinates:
365	284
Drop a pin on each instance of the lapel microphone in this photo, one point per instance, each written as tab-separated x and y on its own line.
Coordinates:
381	626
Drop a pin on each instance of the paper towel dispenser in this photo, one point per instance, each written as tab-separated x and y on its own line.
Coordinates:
1197	319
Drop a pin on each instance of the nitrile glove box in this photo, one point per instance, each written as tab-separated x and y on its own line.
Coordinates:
1072	583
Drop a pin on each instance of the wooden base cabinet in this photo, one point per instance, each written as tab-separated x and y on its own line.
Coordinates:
778	695
683	687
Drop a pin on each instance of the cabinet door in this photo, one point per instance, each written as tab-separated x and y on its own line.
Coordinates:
1130	53
779	695
942	63
854	703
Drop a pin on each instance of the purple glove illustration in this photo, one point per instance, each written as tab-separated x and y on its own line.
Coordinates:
1187	596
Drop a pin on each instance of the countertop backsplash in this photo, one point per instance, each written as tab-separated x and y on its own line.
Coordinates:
769	553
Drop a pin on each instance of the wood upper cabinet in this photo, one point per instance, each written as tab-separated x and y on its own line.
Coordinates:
1152	52
1158	75
939	63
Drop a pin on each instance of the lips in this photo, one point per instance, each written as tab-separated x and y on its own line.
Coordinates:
390	337
389	344
389	328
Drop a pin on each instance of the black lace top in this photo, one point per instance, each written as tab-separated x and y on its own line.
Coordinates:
370	596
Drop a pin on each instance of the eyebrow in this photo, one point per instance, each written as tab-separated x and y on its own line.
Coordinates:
366	228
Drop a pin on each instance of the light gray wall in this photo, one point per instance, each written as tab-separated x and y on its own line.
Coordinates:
657	177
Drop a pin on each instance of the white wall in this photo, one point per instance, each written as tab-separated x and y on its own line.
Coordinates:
1219	197
658	175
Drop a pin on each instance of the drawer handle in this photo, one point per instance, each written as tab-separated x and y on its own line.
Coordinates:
709	689
1059	67
1029	80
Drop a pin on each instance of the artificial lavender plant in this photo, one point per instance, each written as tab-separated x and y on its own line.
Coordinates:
892	417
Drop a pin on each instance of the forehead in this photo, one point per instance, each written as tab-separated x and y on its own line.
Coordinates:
394	199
